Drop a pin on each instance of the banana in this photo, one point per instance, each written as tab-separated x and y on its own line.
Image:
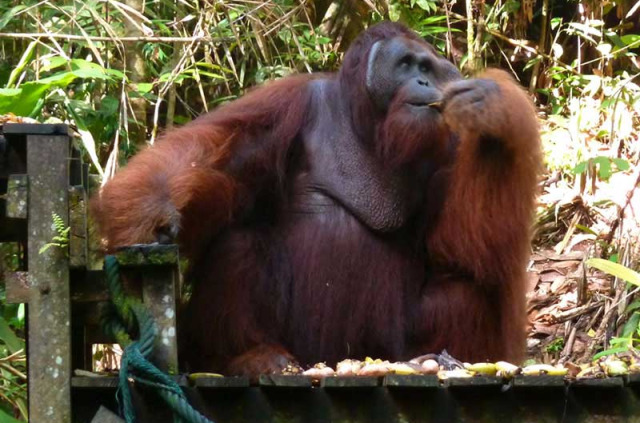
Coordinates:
405	368
194	376
488	369
459	373
507	370
544	369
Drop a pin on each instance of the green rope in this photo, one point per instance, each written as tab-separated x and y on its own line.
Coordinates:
126	317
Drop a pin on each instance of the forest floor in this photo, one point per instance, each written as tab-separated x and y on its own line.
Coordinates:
575	310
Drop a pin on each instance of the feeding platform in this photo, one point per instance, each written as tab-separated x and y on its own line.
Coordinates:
388	399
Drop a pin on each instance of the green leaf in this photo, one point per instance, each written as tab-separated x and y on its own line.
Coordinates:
54	63
630	39
9	338
430	20
115	73
24	104
5	418
91	74
25	59
8	96
586	229
45	247
33	92
60	79
580	168
633	306
6	18
424	5
86	69
610	352
81	64
630	326
555	22
616	270
85	135
604	169
108	107
621	164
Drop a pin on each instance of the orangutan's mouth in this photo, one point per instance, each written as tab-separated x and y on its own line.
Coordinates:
437	105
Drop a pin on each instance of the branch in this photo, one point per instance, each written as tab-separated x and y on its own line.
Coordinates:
72	37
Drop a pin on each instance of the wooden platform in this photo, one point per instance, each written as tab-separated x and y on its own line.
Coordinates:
390	399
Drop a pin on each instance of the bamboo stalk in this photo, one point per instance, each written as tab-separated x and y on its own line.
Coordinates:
471	53
542	42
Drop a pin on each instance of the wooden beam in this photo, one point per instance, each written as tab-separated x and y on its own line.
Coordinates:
49	338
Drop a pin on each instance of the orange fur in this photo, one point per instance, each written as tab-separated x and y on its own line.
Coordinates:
484	228
188	176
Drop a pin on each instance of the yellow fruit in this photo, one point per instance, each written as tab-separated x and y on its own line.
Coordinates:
489	369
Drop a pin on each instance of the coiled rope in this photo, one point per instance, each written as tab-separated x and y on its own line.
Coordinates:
127	315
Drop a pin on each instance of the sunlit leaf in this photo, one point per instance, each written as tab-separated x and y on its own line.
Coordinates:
604	167
604	48
580	168
616	270
557	50
53	63
621	164
555	22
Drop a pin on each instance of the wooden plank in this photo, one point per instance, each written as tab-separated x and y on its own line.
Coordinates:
36	129
633	379
78	222
222	382
285	381
97	381
350	382
17	187
411	381
607	382
157	266
476	381
159	294
49	314
90	382
86	287
542	381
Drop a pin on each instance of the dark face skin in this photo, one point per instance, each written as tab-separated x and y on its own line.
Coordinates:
403	78
405	66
